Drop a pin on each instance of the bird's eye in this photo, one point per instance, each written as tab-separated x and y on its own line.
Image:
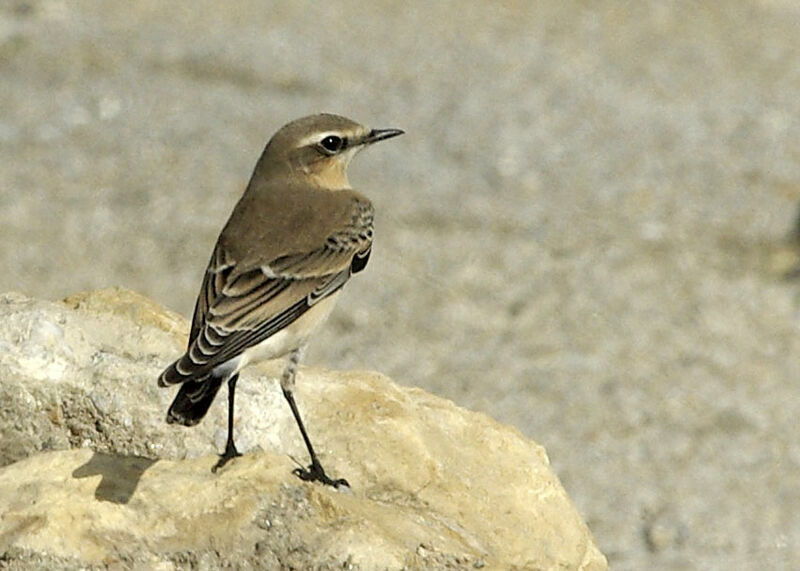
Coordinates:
332	144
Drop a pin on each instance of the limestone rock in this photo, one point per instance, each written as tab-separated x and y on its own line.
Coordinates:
93	476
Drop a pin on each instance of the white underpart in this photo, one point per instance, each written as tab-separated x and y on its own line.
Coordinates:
284	341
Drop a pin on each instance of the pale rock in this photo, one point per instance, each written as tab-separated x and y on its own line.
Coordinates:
94	477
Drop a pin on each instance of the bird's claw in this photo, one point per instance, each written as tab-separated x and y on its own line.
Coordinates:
315	473
229	454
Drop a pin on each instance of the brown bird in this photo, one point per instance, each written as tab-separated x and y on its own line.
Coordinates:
293	240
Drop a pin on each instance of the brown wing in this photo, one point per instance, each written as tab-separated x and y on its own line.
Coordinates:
240	306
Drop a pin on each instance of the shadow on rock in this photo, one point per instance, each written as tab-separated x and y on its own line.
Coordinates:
121	475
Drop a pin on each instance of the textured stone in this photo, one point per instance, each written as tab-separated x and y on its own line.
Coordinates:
434	486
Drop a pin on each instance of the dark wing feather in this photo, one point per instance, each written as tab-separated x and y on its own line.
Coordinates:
239	307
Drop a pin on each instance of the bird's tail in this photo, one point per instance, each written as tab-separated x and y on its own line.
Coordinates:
181	371
193	400
197	392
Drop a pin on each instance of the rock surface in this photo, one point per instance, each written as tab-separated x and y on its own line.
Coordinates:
575	236
93	476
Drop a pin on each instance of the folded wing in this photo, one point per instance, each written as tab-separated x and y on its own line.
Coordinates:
243	303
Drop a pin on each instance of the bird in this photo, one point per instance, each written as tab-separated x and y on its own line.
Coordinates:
296	236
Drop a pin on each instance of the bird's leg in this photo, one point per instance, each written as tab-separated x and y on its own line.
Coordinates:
315	471
230	447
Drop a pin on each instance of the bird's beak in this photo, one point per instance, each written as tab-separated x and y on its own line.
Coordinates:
380	135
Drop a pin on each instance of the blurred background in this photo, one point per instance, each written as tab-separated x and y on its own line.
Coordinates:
583	232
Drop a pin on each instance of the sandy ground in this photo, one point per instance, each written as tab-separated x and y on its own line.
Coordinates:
577	234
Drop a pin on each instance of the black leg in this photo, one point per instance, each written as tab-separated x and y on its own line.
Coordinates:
230	447
315	472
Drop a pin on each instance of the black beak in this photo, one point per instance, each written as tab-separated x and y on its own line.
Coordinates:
380	135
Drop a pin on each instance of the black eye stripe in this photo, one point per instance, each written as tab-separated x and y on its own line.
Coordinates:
333	143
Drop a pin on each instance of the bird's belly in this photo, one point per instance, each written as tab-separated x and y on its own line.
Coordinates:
291	337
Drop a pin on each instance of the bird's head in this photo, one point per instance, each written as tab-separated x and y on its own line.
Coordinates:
320	147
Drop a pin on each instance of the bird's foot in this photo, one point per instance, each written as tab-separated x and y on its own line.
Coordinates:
315	473
229	454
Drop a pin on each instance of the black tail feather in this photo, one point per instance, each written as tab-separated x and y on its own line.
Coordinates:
193	401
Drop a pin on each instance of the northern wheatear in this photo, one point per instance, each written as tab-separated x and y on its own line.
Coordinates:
295	237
